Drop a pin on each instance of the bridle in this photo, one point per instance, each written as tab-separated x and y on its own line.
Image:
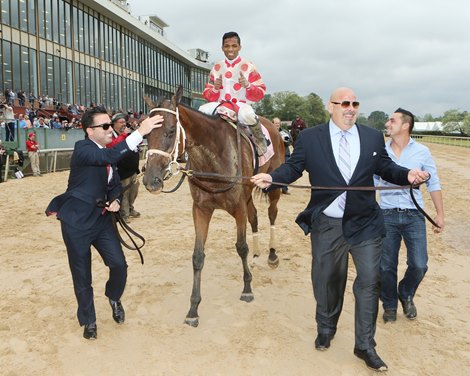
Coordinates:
173	166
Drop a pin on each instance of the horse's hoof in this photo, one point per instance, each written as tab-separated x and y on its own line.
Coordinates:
273	263
192	321
247	297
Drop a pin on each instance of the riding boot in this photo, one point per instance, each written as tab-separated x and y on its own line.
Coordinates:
260	140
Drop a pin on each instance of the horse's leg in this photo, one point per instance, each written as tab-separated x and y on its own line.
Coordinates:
273	259
253	219
201	218
242	249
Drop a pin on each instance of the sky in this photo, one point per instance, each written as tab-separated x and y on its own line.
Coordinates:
413	54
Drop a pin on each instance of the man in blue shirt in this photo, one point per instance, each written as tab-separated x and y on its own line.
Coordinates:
404	221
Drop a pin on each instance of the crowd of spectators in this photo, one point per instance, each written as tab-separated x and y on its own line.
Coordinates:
57	116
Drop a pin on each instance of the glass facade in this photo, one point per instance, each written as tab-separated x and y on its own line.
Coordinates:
68	51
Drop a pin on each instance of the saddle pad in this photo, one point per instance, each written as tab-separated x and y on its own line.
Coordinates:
263	159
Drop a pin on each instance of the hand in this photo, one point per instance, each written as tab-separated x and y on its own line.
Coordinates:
243	81
416	176
113	206
218	83
262	180
149	124
439	219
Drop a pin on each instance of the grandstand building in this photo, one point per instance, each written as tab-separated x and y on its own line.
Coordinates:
93	51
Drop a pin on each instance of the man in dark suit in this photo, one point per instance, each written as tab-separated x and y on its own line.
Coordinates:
93	179
342	153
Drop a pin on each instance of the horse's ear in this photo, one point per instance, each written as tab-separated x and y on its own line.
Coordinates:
178	95
150	103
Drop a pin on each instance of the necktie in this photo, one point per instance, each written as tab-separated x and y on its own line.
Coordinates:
344	164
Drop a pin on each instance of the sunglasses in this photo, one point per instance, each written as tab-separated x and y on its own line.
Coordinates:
105	126
346	104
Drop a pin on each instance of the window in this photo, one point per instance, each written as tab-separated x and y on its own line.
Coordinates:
7	65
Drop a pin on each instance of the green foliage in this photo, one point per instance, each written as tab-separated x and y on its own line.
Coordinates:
286	105
265	107
361	119
377	120
455	121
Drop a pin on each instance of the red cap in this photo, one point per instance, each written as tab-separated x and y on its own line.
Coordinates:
31	134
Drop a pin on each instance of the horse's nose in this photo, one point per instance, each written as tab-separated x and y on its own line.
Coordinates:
158	182
153	184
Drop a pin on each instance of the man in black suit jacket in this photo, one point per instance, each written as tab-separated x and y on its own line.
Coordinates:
94	178
341	223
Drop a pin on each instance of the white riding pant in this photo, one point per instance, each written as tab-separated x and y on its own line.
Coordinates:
246	114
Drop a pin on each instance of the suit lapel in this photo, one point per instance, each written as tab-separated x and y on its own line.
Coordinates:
362	153
328	151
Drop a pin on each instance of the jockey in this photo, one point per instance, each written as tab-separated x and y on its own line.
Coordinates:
234	84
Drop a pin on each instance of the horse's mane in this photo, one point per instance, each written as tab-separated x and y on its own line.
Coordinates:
163	100
213	117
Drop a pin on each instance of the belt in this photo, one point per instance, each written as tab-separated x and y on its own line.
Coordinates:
399	210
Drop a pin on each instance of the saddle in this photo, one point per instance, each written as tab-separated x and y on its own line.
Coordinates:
245	131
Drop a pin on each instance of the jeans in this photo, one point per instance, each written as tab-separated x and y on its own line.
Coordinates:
410	226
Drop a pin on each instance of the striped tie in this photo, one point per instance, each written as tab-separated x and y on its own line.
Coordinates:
344	164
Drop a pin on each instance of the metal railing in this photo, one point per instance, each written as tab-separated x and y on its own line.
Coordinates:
444	140
50	156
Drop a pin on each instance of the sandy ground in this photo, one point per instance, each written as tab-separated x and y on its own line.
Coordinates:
273	335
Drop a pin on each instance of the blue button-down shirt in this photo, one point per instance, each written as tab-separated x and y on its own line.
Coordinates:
414	155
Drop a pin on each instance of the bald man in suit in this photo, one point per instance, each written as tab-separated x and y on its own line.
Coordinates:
342	223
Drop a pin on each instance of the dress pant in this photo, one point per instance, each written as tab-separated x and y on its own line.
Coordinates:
10	131
329	275
78	242
131	186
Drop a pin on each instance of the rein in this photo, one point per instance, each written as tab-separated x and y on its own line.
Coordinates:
117	219
126	228
411	187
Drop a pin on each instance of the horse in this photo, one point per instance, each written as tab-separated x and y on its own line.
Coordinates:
213	147
294	133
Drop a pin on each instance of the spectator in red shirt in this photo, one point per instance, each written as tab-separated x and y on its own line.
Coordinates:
32	147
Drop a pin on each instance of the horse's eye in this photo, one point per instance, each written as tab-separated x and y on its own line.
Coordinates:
169	133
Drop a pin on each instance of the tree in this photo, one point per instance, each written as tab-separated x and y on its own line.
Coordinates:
377	120
361	119
313	110
454	121
265	107
287	105
429	118
466	124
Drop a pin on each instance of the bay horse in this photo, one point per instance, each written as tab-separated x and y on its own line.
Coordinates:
212	147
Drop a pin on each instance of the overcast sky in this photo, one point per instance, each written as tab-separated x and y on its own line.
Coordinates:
413	54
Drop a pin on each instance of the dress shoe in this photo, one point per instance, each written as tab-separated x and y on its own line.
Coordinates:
134	213
286	192
323	341
90	331
390	315
371	359
118	311
409	308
